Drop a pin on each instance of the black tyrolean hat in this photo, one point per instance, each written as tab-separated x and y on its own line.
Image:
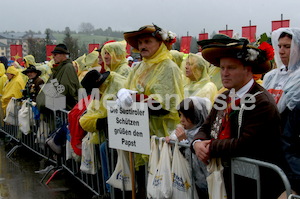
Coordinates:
94	79
32	68
60	49
240	49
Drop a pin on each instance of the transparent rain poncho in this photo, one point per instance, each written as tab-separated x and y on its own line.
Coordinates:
202	86
97	109
215	75
29	60
159	78
118	63
177	57
284	80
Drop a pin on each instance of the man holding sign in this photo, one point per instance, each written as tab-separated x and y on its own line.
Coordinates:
156	79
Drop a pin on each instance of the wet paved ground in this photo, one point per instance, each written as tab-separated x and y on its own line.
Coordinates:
18	179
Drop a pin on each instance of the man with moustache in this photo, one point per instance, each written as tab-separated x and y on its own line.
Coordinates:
155	79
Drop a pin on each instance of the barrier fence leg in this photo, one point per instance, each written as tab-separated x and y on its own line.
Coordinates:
13	149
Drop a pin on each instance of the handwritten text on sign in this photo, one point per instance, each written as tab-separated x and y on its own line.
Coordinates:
128	129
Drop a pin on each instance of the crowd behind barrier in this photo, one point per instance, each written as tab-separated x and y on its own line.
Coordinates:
42	127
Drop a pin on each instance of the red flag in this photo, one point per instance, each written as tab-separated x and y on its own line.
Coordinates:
229	33
93	46
128	49
249	32
16	53
203	36
280	24
185	44
49	49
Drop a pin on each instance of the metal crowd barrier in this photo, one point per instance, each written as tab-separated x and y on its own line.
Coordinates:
248	167
34	140
41	128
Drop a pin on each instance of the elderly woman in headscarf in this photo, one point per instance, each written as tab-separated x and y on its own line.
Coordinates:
199	83
114	56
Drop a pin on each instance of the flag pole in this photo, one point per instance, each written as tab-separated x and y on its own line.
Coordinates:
131	162
250	30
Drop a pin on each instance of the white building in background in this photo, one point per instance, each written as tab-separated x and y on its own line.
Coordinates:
18	38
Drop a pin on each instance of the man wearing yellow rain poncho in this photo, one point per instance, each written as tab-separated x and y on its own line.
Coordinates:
114	56
155	78
3	79
199	83
13	86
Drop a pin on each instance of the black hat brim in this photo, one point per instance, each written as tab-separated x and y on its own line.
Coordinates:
30	70
213	53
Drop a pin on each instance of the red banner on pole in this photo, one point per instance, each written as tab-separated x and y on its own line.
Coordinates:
249	32
128	49
280	24
229	33
16	53
203	36
92	47
185	44
49	49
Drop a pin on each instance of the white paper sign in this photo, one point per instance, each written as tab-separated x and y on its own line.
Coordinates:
128	129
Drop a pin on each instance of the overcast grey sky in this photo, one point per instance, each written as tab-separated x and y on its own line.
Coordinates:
179	16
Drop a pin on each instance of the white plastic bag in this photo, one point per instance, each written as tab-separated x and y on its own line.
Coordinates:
69	149
215	181
182	183
121	173
11	116
88	164
24	119
162	181
42	133
152	165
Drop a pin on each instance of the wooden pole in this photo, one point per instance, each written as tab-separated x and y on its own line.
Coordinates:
131	162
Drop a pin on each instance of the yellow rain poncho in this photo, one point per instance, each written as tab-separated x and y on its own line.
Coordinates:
80	64
177	57
96	109
13	87
215	75
46	71
118	63
200	86
159	78
90	61
29	59
3	78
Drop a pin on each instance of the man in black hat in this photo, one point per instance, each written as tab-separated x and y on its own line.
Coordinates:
244	120
33	85
65	74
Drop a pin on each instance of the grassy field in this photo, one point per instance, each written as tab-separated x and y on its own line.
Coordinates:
84	39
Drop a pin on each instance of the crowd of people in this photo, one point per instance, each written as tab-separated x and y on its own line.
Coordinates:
233	98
